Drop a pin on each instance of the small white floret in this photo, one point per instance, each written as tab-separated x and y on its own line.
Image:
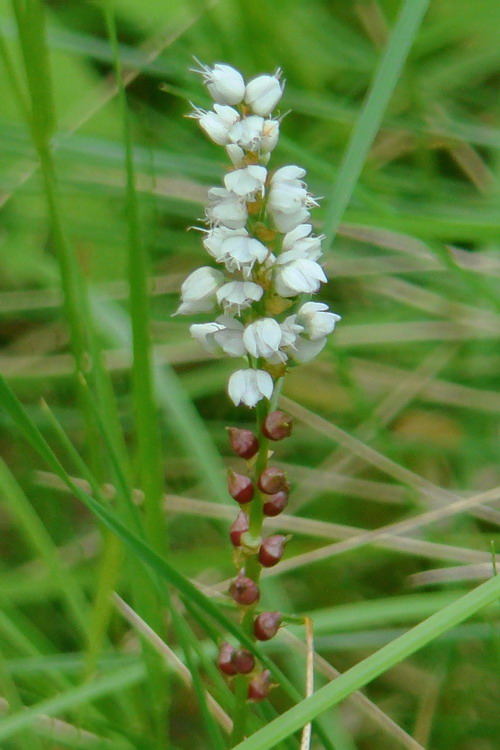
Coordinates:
263	93
249	387
199	289
225	84
262	338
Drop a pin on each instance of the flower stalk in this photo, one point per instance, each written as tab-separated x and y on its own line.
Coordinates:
259	236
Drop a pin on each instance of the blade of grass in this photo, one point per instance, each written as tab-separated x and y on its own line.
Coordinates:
368	122
109	684
148	434
373	666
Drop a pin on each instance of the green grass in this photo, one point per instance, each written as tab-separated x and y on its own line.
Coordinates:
107	404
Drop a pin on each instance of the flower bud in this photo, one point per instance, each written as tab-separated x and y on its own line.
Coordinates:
271	550
263	93
240	487
277	425
244	661
243	590
243	442
275	504
259	686
273	480
238	527
266	625
225	660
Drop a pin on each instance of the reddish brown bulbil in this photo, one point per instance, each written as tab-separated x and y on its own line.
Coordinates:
277	425
266	625
240	487
273	480
275	504
238	527
243	590
244	661
259	686
271	550
225	660
243	442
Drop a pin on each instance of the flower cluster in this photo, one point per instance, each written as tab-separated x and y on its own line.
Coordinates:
258	233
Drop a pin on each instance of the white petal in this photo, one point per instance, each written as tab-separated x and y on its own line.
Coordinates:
202	332
236	154
270	136
214	238
239	295
284	222
303	230
306	350
291	172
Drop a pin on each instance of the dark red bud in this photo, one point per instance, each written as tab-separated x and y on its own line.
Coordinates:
244	661
259	686
271	550
244	590
277	425
243	442
238	527
273	480
276	503
225	660
240	487
266	625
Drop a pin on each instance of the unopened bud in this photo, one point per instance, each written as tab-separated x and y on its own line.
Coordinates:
271	550
225	660
243	442
240	487
277	425
266	625
243	590
273	480
259	686
244	661
238	527
275	504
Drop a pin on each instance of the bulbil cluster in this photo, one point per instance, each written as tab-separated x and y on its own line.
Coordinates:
270	488
259	237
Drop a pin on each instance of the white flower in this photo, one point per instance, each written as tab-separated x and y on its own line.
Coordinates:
236	296
263	93
262	338
316	319
217	124
241	253
198	290
214	238
226	208
246	182
289	199
247	132
225	84
249	386
230	336
298	244
298	276
203	333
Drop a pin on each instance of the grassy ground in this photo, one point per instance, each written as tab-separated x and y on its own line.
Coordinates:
394	456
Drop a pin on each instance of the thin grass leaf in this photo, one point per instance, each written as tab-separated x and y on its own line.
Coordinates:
368	122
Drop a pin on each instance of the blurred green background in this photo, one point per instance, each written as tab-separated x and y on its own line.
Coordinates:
412	372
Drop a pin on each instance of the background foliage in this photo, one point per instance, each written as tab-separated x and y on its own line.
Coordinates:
398	417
